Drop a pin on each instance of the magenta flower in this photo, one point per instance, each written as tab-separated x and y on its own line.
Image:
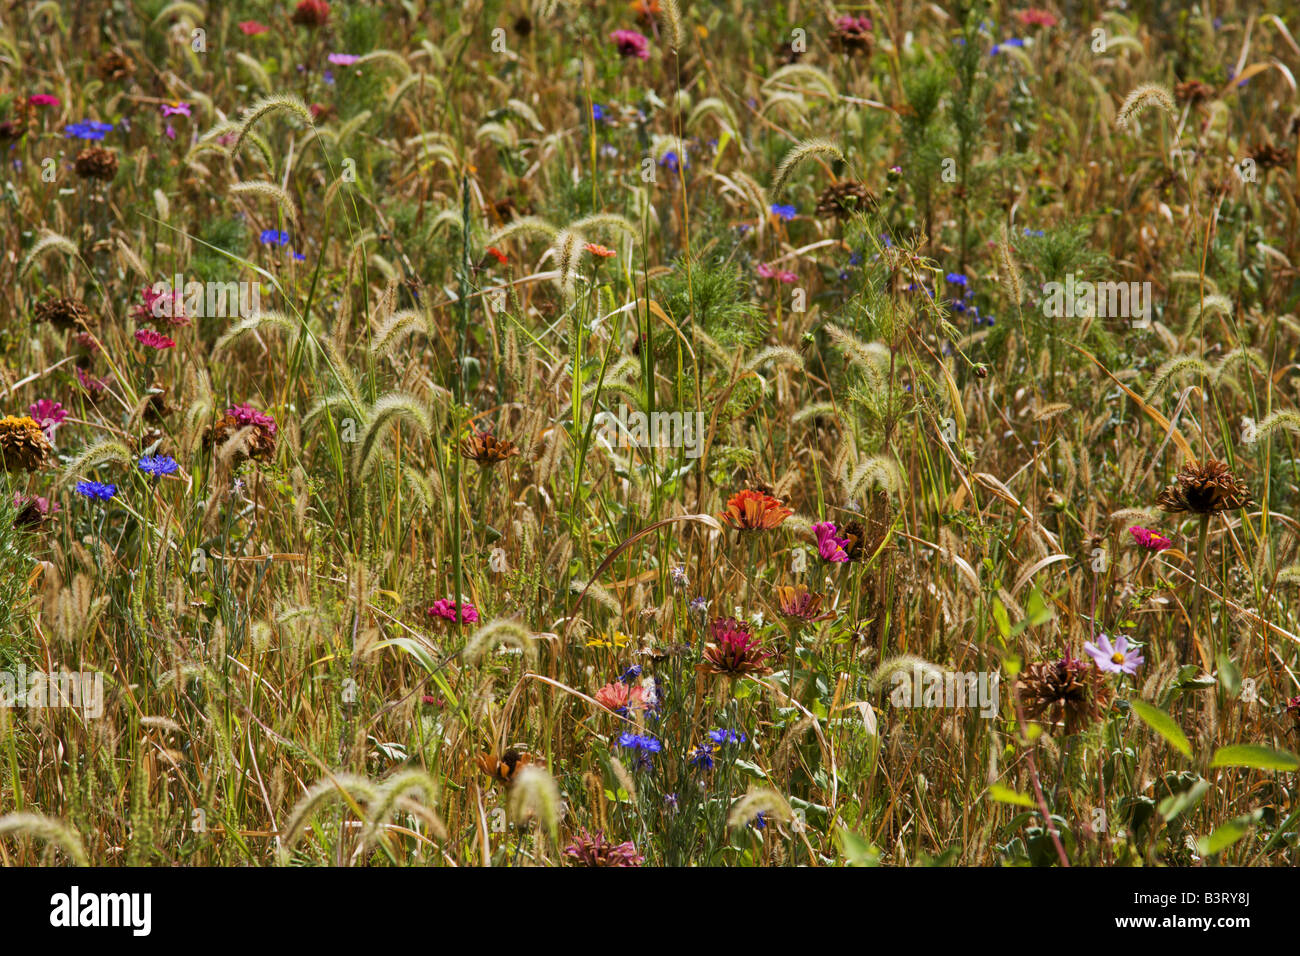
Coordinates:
1114	659
631	43
43	99
767	272
830	547
446	608
343	59
176	108
45	410
89	382
154	340
1151	540
248	415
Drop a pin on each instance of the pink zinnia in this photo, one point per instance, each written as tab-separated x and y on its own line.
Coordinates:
1151	540
248	415
631	43
830	547
154	340
252	28
45	410
446	608
43	99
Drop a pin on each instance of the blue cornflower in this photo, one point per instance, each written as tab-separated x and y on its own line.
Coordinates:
299	257
274	237
1033	232
328	77
672	161
760	820
957	278
702	756
87	129
158	465
631	674
723	736
598	112
855	259
643	742
95	489
785	212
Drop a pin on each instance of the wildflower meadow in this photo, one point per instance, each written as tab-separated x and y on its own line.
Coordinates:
580	433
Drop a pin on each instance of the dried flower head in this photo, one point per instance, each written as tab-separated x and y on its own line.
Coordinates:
23	445
64	313
486	449
754	511
258	432
1205	488
843	200
96	162
1068	689
114	65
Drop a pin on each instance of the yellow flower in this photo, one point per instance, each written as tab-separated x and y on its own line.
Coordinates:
617	639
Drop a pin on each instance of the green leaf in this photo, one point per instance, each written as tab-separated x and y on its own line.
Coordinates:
1036	610
1006	795
1164	725
1229	675
1000	618
1227	834
1255	755
1170	807
859	851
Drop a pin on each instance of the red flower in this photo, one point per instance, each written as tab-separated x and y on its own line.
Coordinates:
43	99
311	13
155	340
498	255
252	28
598	250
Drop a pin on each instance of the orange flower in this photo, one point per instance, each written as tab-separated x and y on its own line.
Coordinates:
754	511
503	769
798	602
598	250
498	254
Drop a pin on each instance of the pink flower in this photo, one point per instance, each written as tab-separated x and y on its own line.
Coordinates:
89	382
176	108
767	272
252	28
43	99
829	546
157	305
851	24
170	131
343	59
248	415
446	608
1036	17
1119	659
631	43
618	697
1151	540
154	340
49	415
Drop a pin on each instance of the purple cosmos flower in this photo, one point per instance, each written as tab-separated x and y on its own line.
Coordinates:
177	108
1114	659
